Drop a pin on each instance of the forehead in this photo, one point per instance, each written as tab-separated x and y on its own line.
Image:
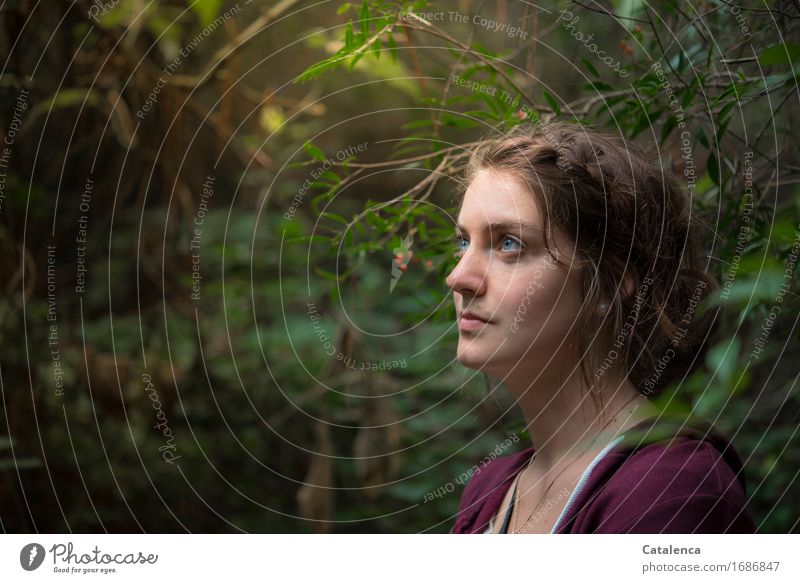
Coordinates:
498	200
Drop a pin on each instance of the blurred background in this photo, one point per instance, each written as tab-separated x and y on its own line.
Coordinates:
225	229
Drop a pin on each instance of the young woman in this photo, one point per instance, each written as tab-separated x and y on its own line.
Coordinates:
578	288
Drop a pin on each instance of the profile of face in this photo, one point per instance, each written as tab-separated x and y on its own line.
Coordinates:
516	305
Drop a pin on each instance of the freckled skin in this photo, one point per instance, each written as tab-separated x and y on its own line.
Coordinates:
509	277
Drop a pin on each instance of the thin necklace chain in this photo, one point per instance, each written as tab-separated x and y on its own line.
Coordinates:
544	496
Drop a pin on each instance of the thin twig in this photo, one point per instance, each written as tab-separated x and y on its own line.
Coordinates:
771	118
769	10
739	60
663	51
235	45
401	161
434	31
602	10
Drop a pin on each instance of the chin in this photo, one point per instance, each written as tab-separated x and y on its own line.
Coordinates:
470	358
475	359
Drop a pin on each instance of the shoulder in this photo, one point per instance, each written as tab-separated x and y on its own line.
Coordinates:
687	485
683	467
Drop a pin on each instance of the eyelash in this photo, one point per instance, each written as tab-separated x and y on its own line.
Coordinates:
458	239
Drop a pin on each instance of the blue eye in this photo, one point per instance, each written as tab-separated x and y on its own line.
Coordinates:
460	243
514	241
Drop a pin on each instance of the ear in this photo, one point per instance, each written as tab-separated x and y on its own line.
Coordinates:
628	287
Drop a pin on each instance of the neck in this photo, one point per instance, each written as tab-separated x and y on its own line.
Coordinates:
564	420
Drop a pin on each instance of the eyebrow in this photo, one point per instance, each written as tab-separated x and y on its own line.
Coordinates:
514	226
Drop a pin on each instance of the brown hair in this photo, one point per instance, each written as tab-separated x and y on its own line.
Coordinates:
634	234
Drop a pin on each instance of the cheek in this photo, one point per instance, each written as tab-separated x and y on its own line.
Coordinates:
545	300
541	291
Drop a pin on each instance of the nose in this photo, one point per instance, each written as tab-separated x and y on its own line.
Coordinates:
469	275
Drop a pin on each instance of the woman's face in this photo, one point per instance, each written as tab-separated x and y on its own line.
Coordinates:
525	300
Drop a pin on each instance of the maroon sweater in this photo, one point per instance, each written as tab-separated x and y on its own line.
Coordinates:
662	477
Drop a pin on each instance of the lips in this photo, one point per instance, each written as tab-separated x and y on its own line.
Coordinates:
473	316
469	321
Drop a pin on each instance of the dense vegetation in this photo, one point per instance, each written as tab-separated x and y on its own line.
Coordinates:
226	227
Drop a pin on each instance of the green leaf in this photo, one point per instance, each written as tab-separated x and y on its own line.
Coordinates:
713	168
375	220
609	102
722	359
491	102
392	44
343	8
363	18
731	90
749	289
309	239
417	123
780	54
327	275
667	128
65	98
458	121
702	138
332	176
597	86
315	202
314	152
724	120
319	68
337	218
121	14
726	109
552	102
207	10
590	67
482	49
689	94
645	120
647	81
355	60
